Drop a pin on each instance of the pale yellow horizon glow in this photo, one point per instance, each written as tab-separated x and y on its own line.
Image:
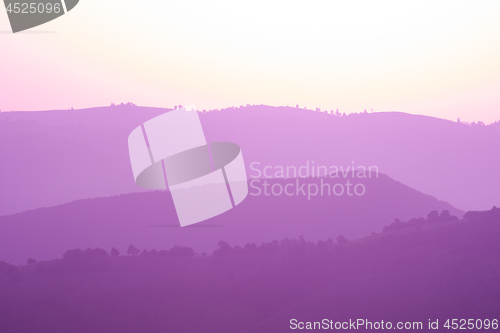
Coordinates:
437	58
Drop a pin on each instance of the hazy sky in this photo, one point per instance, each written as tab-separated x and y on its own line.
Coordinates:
439	58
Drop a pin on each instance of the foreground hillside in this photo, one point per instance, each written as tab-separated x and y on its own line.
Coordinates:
440	273
149	220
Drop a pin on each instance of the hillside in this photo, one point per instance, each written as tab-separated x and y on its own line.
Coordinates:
148	220
55	157
436	274
451	161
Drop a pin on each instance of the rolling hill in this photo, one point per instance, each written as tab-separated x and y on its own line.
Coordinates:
148	220
55	157
436	274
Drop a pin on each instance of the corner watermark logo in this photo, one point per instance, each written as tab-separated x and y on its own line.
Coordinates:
25	15
170	152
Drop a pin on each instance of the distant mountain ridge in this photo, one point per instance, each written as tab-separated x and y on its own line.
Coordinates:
53	157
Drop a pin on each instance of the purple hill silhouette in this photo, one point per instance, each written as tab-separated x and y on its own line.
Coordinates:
452	161
148	220
54	157
436	274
